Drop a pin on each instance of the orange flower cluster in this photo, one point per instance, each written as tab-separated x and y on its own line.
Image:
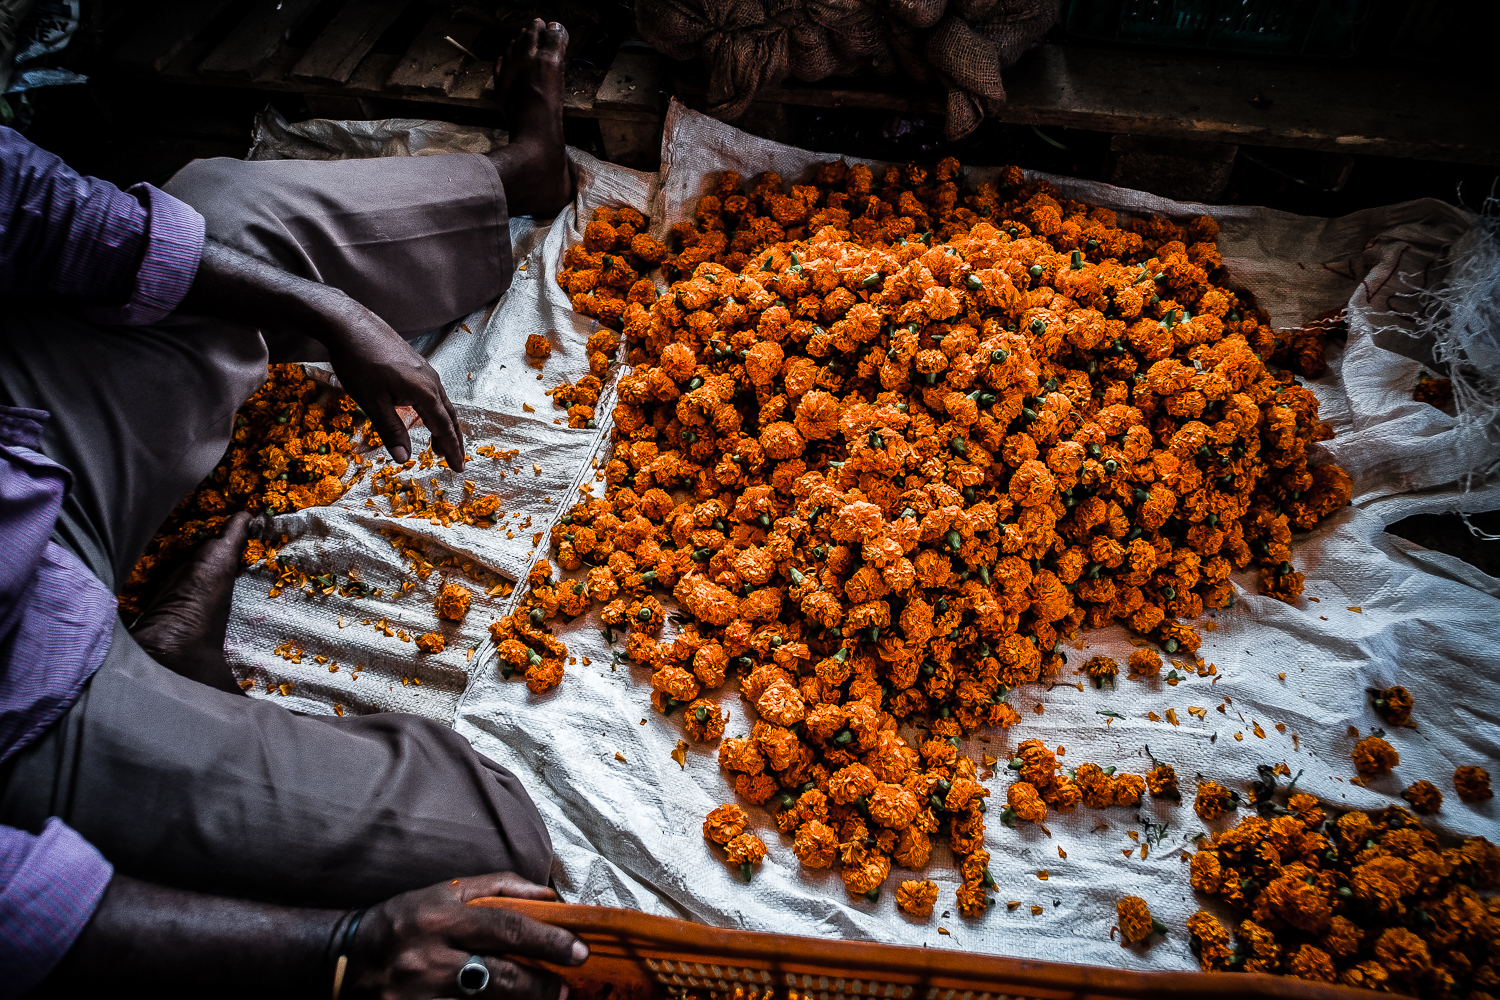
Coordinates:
1135	921
1041	785
1472	783
887	441
917	897
1433	391
1369	900
293	443
1374	756
1394	705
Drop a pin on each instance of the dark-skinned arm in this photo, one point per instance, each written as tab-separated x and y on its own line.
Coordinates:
168	942
377	367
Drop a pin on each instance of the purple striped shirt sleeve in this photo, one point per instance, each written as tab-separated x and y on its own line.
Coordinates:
50	885
174	245
129	255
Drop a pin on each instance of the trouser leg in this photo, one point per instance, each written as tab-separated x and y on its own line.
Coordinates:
175	781
183	785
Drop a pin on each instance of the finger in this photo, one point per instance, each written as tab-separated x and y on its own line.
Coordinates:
491	931
511	981
498	884
438	414
390	428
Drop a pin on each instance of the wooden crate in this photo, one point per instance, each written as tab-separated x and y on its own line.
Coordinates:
634	956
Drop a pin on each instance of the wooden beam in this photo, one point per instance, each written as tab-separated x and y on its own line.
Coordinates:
257	39
349	37
432	62
636	81
1386	111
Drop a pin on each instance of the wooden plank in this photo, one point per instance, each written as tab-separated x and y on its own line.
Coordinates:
163	36
432	62
257	38
1385	111
351	34
636	81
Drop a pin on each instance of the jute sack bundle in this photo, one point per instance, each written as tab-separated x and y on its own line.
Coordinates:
752	44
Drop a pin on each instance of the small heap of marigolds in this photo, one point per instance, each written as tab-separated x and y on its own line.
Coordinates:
923	433
1368	900
293	442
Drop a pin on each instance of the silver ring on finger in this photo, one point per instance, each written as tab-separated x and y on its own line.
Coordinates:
473	977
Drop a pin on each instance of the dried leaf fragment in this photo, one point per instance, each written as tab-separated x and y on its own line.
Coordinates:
680	754
621	757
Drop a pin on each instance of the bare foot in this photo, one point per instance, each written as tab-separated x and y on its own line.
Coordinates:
533	164
183	630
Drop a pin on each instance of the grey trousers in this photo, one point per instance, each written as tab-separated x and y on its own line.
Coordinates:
181	784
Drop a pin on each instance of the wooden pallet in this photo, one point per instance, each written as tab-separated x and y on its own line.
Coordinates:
341	75
1391	111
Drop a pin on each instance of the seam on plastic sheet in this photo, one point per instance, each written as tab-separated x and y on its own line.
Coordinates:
606	396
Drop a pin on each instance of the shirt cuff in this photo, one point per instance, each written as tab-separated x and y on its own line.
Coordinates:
174	246
50	885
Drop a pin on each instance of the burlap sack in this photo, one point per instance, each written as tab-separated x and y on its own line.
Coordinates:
751	44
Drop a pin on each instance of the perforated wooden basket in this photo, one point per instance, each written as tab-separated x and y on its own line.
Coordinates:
637	957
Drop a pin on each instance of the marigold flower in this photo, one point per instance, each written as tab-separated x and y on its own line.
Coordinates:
1135	920
1374	756
1209	941
1424	796
746	849
1144	662
1394	705
1101	669
1213	801
1472	783
453	602
917	898
725	823
703	721
1162	782
1025	802
432	642
815	844
972	900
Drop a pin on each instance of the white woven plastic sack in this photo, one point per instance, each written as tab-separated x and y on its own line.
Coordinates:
626	819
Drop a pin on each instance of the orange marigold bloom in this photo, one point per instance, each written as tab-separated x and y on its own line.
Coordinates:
1145	662
816	845
972	901
1472	783
1214	800
1312	963
1403	954
1424	797
746	849
432	642
453	602
1101	669
1208	940
703	721
538	347
1136	922
725	823
1025	802
917	898
1162	781
1394	705
1374	756
1037	763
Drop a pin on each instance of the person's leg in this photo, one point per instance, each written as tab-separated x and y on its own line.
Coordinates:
196	787
185	786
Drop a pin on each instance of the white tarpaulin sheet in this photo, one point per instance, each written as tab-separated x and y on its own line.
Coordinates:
626	819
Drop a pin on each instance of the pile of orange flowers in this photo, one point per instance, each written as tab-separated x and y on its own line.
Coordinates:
294	442
1368	900
886	444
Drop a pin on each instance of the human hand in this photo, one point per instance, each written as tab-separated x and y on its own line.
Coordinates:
411	946
382	371
378	368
